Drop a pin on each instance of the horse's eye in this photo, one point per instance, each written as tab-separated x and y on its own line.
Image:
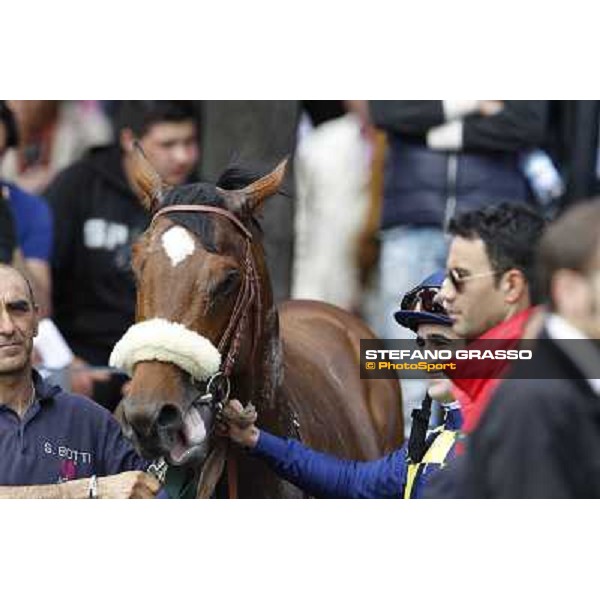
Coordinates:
227	284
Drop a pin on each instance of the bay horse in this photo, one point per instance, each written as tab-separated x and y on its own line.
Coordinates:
204	306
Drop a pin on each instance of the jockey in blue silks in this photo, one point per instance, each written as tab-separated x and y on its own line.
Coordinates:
400	474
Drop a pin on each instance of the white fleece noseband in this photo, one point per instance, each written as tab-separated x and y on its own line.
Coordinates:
164	341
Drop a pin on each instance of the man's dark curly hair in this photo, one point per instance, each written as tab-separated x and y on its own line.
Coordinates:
510	233
140	115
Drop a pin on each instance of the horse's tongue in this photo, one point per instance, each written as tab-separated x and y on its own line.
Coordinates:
193	427
178	451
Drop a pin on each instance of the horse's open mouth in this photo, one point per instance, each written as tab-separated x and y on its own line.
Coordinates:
181	453
191	443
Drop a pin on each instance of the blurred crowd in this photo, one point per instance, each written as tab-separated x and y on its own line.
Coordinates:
436	219
362	220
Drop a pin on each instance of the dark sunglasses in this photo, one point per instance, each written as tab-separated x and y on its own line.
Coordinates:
458	280
424	298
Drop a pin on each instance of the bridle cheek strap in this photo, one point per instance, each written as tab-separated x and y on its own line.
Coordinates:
249	291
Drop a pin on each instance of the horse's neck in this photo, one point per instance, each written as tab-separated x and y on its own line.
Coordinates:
260	381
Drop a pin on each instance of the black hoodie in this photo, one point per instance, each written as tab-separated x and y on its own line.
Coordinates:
8	240
97	218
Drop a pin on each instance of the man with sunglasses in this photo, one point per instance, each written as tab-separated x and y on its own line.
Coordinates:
488	290
401	474
540	436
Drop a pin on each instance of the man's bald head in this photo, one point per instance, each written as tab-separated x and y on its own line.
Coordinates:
10	271
18	323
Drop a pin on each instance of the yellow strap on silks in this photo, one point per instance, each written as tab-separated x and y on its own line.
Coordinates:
436	454
411	474
438	451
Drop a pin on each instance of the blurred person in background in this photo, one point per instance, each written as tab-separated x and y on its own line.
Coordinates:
540	437
100	218
32	226
8	138
8	239
573	143
31	217
332	170
53	135
403	473
257	134
443	158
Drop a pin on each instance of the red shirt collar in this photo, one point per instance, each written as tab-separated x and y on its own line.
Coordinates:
511	329
477	391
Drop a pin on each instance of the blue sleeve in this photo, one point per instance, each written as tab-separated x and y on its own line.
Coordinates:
325	476
34	224
38	243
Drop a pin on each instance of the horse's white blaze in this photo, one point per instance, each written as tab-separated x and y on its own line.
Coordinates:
178	244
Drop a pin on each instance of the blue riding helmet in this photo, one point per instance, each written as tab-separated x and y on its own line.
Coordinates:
431	311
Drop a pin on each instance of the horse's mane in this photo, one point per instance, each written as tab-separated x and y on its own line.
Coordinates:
233	178
236	177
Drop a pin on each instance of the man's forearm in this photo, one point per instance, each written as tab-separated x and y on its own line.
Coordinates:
125	485
77	489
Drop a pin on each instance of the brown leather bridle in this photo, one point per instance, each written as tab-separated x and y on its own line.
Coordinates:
248	295
249	290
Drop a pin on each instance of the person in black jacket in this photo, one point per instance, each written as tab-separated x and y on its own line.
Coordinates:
8	241
98	217
541	438
572	142
8	236
444	157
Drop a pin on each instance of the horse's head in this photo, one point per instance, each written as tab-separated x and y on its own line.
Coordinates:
202	294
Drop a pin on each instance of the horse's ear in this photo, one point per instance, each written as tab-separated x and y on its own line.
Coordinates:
249	199
148	185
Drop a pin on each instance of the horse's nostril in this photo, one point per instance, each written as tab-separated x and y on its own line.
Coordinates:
168	417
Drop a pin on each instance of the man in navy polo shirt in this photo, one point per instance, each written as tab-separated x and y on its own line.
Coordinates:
54	444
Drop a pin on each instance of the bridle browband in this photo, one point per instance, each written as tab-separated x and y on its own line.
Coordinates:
198	208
